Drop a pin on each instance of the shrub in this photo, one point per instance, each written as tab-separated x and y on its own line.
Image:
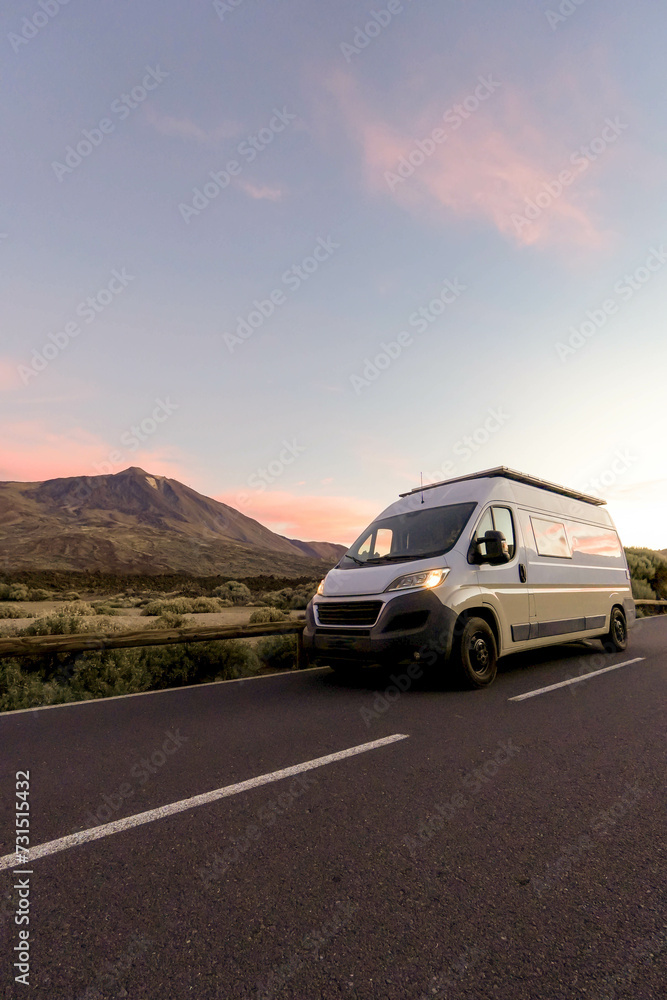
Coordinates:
13	592
16	613
267	615
65	622
100	674
237	593
105	609
206	605
659	581
21	689
125	602
290	598
304	594
186	605
79	608
197	662
33	681
642	591
178	606
39	595
274	599
278	651
648	568
169	619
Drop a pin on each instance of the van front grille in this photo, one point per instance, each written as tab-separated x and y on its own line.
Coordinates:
349	613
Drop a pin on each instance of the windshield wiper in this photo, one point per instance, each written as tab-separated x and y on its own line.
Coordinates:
359	562
379	559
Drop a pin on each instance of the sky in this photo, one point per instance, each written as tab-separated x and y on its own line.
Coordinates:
298	255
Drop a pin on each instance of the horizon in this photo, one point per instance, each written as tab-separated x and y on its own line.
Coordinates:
410	242
149	475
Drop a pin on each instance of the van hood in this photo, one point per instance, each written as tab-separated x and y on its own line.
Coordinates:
374	579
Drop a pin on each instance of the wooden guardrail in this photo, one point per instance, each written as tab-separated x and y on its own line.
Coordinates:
658	604
35	645
32	645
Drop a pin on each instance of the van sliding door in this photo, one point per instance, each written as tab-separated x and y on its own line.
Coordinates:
570	594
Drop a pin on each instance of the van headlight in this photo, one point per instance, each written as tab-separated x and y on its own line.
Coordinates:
320	587
429	578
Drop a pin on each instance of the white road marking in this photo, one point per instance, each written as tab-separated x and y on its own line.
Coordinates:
144	694
84	836
575	680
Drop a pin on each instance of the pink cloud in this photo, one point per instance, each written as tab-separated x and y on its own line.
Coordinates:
310	518
184	128
486	168
31	451
261	192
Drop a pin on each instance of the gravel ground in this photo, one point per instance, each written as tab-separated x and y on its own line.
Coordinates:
132	619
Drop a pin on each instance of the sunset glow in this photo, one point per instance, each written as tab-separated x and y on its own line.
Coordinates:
299	272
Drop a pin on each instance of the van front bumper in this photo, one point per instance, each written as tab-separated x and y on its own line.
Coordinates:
410	627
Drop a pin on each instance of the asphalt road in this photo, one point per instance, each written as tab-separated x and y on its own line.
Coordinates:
504	849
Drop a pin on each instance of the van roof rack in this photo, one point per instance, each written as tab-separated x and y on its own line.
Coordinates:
519	477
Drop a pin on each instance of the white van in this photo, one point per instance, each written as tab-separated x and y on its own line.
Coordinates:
469	570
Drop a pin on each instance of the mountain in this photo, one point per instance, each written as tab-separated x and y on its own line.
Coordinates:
133	522
319	550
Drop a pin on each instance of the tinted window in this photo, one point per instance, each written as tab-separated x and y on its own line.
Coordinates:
486	524
496	519
502	519
376	543
550	538
593	540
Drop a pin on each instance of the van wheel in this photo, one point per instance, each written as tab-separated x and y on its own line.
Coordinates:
616	638
477	653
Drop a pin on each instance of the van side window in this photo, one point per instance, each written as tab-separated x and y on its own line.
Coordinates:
498	519
550	538
502	519
486	524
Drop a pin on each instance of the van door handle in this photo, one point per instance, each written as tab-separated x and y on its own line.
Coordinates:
522	572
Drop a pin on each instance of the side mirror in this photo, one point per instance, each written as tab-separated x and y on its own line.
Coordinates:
492	548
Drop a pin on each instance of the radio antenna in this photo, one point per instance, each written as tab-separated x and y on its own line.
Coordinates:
421	480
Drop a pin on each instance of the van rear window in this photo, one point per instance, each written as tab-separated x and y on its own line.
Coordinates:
593	540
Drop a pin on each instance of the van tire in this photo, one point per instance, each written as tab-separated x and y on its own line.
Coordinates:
616	638
476	654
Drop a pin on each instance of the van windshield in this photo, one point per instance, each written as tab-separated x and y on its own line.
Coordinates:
418	534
